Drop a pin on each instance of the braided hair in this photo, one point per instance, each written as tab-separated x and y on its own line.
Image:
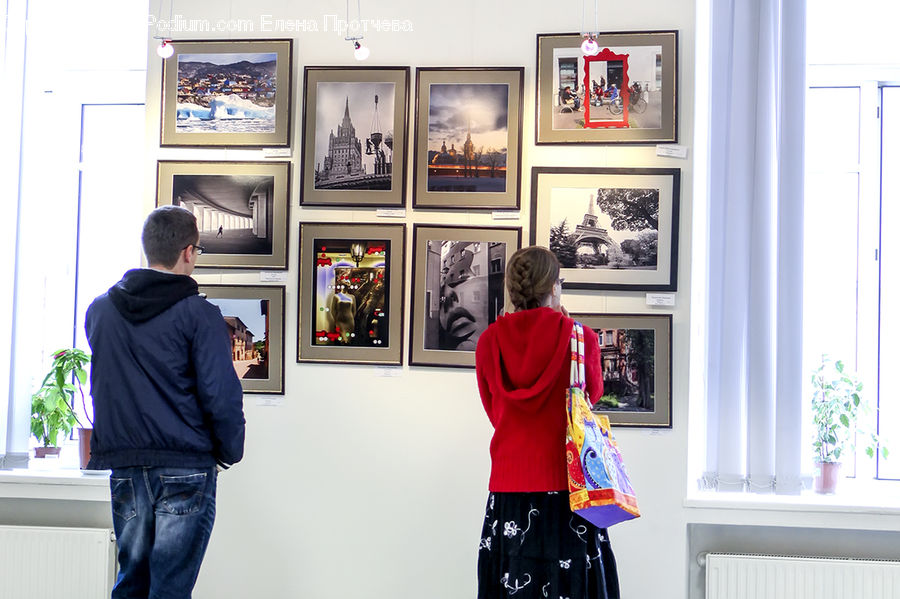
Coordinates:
530	276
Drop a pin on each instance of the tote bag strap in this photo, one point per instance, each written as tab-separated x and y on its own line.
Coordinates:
576	370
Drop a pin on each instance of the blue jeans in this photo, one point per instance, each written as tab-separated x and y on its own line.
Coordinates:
163	518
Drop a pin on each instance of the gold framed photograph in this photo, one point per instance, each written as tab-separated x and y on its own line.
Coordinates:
227	93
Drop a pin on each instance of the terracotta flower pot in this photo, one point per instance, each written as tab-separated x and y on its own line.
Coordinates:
827	474
43	452
84	445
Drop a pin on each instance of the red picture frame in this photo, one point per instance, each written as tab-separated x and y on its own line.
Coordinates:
621	102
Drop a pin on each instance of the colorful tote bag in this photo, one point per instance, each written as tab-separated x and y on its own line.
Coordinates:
599	489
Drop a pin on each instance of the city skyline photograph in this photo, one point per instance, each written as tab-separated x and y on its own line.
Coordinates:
456	162
333	98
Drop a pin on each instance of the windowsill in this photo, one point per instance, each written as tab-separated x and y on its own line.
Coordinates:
59	484
853	496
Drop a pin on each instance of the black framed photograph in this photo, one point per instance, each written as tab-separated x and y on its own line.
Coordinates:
468	143
610	228
636	355
241	209
354	135
627	93
458	289
254	316
351	293
227	93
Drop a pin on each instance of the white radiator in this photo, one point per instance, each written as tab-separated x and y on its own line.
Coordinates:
730	576
47	563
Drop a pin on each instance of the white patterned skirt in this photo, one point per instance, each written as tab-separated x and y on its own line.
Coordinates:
533	546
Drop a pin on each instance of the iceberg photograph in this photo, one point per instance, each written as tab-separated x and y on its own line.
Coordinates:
226	93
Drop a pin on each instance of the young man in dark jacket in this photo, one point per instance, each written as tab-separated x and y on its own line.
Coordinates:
168	410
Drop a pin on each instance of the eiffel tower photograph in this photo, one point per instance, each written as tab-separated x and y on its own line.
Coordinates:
605	228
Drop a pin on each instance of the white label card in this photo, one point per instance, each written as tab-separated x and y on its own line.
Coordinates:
672	151
276	276
276	152
505	214
388	371
270	402
391	213
660	299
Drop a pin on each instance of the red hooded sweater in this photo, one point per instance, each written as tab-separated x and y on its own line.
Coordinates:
522	364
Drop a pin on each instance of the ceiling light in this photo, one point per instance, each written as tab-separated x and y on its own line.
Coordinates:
360	51
165	49
590	47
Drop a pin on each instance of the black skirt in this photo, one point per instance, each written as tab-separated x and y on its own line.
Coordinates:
533	546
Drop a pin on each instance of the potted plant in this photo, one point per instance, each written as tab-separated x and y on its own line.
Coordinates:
837	404
52	406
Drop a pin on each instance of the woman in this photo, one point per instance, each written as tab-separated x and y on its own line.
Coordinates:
532	545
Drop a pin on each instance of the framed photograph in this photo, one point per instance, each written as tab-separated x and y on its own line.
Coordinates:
457	290
351	293
354	135
468	145
636	352
241	209
625	94
610	228
227	93
255	319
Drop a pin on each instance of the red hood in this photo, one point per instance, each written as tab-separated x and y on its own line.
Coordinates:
528	354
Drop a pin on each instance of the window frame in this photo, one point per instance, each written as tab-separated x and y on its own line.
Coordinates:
870	81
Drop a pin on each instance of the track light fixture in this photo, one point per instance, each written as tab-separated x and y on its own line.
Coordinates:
590	47
165	49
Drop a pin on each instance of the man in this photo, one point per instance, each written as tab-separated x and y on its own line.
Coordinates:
569	96
168	410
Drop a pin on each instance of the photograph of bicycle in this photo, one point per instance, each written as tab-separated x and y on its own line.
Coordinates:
625	92
605	88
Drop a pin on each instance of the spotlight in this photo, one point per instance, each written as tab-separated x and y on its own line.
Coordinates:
165	49
360	51
590	47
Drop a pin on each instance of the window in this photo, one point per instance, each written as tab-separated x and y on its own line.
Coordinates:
82	193
851	257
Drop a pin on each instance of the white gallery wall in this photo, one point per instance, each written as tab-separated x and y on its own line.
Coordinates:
371	483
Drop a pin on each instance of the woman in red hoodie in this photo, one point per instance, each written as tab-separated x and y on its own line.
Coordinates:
532	545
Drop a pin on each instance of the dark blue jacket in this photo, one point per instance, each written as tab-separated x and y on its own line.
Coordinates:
164	389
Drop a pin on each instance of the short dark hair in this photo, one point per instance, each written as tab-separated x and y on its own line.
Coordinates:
167	231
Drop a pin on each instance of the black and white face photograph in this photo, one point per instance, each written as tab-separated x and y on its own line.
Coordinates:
226	93
464	292
354	137
604	228
234	212
468	135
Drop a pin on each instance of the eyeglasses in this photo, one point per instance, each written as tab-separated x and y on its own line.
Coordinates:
197	248
560	281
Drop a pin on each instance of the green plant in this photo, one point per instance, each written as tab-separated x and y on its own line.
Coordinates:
609	400
52	409
837	405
